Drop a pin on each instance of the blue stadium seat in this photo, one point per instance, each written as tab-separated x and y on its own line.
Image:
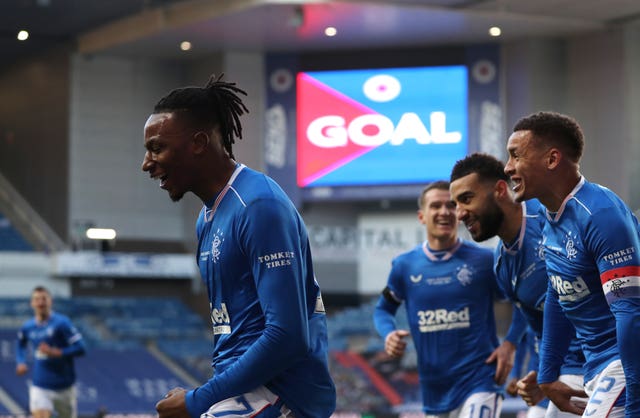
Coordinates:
10	238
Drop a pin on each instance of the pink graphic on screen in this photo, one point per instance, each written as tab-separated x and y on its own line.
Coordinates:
315	100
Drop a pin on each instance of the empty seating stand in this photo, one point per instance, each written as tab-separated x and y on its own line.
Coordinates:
10	238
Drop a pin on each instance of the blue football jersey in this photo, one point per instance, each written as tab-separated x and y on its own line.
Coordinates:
522	276
592	253
269	324
449	303
51	372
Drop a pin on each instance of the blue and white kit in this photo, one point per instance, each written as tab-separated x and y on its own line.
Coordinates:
269	324
54	373
449	298
593	262
522	277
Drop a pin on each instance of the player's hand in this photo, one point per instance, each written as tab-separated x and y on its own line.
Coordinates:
394	343
529	390
561	395
173	404
503	356
49	351
511	388
21	369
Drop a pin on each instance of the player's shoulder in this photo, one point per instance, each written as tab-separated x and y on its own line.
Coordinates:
29	323
59	318
593	197
252	186
409	255
534	209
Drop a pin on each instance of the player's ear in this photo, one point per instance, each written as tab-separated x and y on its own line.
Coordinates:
500	189
553	158
420	216
200	141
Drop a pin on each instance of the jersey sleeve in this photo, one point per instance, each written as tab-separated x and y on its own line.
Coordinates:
613	239
268	227
557	333
518	327
390	300
21	346
73	338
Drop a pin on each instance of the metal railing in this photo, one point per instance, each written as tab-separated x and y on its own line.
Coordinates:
27	221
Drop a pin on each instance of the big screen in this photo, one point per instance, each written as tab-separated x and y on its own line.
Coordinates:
380	127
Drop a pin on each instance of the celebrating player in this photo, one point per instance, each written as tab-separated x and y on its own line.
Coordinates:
592	257
56	343
448	287
486	206
269	324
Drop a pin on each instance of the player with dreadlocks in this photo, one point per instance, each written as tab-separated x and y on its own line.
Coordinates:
269	324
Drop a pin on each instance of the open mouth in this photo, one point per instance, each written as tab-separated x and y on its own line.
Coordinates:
517	185
163	181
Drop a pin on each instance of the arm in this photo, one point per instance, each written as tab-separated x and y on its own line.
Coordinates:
504	354
518	365
73	338
21	353
267	228
557	333
384	321
618	258
517	329
74	350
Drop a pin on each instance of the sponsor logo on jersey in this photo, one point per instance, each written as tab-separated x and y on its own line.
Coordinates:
550	247
464	274
415	279
438	281
432	320
570	290
220	320
277	259
621	256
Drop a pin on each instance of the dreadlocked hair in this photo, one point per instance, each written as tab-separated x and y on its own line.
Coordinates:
217	104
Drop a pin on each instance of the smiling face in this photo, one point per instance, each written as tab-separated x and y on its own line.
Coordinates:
168	155
438	214
526	166
477	207
41	303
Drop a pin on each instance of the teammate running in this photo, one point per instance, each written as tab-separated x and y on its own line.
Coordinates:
448	288
55	342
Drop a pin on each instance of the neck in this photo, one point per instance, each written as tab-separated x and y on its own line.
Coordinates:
43	317
560	189
439	244
215	180
511	223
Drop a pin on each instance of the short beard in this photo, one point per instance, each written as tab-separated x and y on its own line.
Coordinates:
176	198
490	222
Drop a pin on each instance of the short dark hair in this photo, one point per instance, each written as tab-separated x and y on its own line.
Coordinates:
560	130
217	104
439	185
487	167
41	289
